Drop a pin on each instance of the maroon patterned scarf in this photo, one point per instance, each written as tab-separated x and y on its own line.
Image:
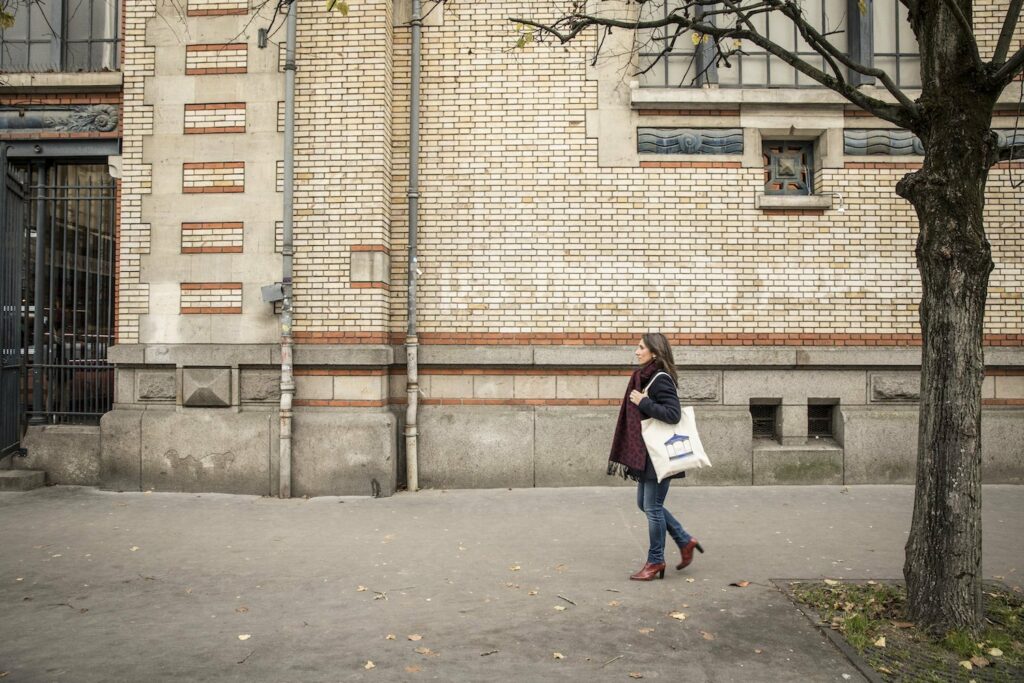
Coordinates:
629	453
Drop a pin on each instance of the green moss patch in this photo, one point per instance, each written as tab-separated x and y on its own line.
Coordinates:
870	616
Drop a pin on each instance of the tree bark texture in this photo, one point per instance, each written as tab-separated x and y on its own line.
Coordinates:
943	552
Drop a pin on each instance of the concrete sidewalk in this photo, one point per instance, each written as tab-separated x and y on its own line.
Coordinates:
98	586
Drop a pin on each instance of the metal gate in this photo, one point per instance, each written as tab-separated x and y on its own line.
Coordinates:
58	293
12	254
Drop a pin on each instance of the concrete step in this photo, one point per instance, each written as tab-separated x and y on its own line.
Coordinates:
816	462
21	480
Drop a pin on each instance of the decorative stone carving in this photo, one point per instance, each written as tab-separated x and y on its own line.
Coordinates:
895	388
260	386
206	387
90	118
155	385
689	141
895	142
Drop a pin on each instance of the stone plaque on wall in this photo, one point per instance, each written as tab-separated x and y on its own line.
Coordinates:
895	387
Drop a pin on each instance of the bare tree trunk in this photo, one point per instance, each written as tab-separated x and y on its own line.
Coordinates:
943	552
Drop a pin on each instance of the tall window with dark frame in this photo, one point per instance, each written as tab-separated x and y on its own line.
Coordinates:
61	36
852	26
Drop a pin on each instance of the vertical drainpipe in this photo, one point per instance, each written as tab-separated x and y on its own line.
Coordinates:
411	342
287	376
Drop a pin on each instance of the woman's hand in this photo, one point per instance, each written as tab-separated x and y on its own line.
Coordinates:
635	397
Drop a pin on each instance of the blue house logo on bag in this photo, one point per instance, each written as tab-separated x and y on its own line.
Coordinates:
678	447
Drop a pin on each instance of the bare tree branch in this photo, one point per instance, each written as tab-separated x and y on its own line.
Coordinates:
1010	70
1006	34
904	114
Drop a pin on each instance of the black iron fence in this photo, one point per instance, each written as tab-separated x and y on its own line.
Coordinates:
13	222
66	297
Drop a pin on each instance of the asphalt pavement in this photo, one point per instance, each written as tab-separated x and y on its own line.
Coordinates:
467	585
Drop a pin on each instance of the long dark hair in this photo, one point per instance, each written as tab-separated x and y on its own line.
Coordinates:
658	345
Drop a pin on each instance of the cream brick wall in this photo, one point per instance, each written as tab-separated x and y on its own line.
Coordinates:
213	7
213	118
522	232
216	58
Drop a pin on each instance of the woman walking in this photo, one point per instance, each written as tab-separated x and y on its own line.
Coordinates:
657	399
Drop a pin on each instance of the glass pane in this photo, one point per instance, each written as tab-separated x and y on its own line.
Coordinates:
781	30
908	42
836	24
910	71
104	19
39	25
729	75
886	64
77	57
14	56
782	74
755	71
884	27
102	56
40	58
20	29
77	20
682	69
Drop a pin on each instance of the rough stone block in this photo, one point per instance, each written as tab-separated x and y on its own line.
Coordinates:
493	386
726	435
124	385
450	386
815	463
573	444
155	385
576	386
794	387
443	354
121	450
207	450
1009	386
895	387
476	446
360	387
21	480
314	387
259	385
793	424
69	454
1002	445
880	444
699	387
534	386
612	386
344	452
206	387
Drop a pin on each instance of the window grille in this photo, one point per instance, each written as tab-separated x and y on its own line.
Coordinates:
61	35
819	420
763	417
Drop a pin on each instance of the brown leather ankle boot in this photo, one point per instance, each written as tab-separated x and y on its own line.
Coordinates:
649	571
687	553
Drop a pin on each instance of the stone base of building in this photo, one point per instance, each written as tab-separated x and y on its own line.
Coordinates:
205	418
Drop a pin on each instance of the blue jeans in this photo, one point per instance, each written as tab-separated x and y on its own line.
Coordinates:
650	497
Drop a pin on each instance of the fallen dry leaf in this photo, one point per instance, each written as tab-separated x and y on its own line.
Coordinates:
560	567
514	568
134	548
244	636
707	636
426	652
369	665
996	652
614	603
532	593
635	674
740	584
678	615
967	665
880	642
360	589
390	636
559	608
19	579
979	661
884	670
415	637
558	655
690	580
757	652
831	582
412	669
242	610
645	631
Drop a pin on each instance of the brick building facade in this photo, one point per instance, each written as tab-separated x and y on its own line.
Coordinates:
559	194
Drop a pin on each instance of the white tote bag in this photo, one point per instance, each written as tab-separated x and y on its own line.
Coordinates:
673	448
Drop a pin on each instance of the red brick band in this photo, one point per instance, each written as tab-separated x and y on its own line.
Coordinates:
192	286
212	250
213	310
339	372
215	12
205	165
213	226
371	247
689	112
338	403
213	47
